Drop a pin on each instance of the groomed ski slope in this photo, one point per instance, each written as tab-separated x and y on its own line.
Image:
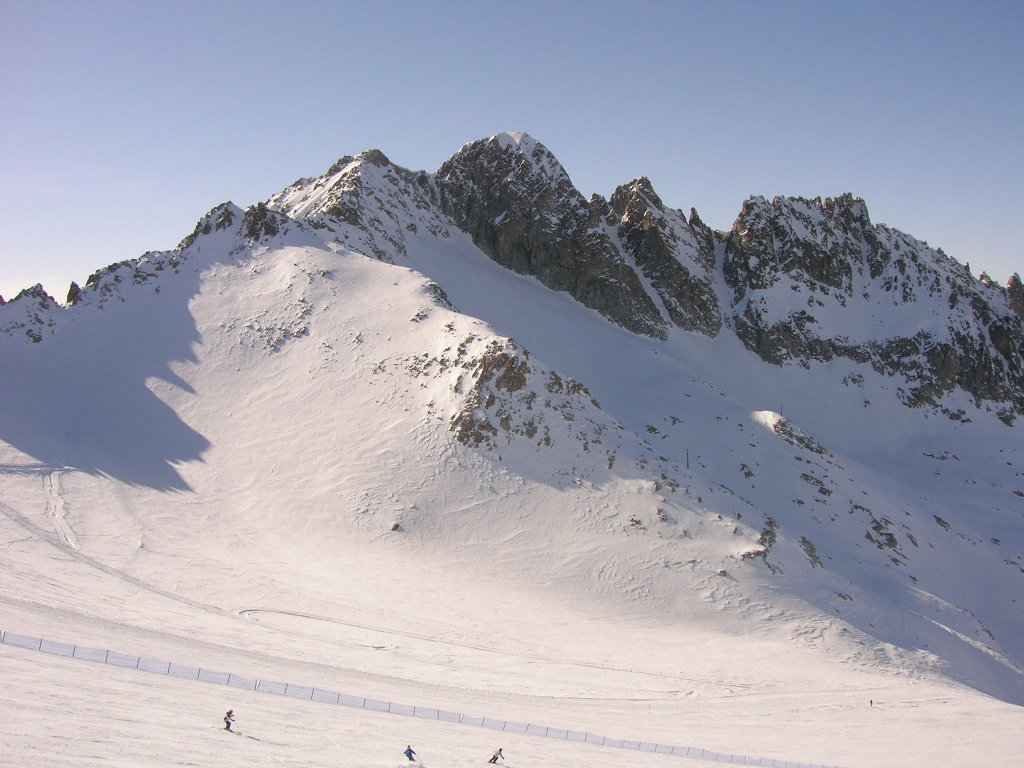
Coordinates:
68	712
335	698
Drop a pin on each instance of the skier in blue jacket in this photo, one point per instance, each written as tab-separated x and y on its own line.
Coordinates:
409	753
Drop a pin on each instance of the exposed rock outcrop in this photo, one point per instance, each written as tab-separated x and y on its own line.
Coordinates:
799	281
676	256
812	281
30	313
517	203
1015	294
367	203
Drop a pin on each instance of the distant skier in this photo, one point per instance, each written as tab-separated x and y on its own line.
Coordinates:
496	756
229	718
410	754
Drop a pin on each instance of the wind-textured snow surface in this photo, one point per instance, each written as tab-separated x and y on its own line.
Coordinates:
328	441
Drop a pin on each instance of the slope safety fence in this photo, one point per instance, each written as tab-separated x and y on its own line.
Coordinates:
320	695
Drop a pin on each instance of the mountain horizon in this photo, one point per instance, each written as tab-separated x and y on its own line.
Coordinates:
800	436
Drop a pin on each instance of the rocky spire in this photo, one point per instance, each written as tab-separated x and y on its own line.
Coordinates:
1015	294
660	241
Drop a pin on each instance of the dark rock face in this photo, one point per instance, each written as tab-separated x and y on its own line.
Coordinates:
513	198
799	281
812	243
1015	295
660	241
800	271
261	222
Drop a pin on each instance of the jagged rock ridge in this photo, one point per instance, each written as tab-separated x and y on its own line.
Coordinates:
806	281
814	280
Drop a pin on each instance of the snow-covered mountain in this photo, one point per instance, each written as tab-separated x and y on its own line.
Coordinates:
805	430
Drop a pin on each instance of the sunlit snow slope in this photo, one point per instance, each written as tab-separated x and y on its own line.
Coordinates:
352	450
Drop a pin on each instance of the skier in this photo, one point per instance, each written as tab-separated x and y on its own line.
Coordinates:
229	718
410	754
495	756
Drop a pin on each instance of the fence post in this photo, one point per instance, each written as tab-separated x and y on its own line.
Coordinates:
106	657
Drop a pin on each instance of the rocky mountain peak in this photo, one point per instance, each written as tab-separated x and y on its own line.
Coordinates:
512	166
519	153
808	241
30	314
366	203
796	267
220	218
375	157
640	189
799	280
847	208
677	257
510	194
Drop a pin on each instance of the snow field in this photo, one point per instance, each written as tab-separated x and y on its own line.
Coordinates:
225	498
316	695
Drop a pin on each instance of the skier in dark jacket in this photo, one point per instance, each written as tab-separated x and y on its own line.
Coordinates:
229	718
409	753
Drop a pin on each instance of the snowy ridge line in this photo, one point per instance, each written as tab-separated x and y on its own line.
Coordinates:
308	693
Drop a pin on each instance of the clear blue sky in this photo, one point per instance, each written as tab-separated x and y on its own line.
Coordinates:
123	122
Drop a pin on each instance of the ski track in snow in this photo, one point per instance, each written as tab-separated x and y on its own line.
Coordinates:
562	661
57	509
591	735
63	542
